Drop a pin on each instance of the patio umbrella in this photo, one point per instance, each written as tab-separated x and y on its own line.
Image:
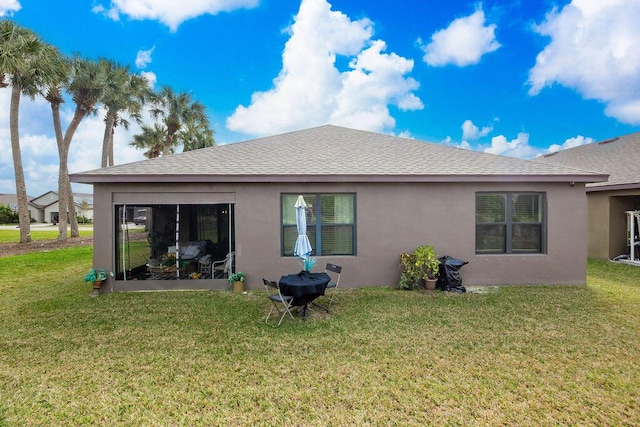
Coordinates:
302	249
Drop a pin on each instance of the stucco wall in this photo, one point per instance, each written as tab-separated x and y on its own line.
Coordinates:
607	222
391	218
598	225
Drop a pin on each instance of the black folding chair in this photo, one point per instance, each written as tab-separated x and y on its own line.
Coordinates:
281	303
334	272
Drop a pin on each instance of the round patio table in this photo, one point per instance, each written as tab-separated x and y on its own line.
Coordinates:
304	287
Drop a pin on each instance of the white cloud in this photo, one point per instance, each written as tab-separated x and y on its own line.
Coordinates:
376	80
311	91
406	134
9	7
451	143
170	13
87	144
594	50
462	43
39	150
518	147
151	78
570	143
471	131
465	145
143	58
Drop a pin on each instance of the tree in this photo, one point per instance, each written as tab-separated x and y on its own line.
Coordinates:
195	136
151	139
86	84
179	112
7	215
124	93
28	65
84	207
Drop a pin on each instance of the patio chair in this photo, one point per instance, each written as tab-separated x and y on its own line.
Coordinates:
281	303
223	268
334	272
204	267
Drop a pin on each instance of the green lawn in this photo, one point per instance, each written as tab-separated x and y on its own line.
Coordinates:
40	233
545	355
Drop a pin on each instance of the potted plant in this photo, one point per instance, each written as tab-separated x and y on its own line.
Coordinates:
97	276
429	265
238	282
410	271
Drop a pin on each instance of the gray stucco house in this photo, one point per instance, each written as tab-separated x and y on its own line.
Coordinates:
608	202
371	197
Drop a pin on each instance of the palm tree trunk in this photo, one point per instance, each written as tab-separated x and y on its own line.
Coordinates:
111	161
73	216
57	127
62	206
64	193
166	149
21	187
107	138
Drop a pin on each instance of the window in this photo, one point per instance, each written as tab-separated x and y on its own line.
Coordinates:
330	223
510	223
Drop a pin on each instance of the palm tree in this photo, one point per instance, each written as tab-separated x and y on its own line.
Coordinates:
195	136
178	111
28	65
84	207
86	85
124	92
151	139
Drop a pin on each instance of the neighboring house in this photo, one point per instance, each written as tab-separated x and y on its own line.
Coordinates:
11	200
46	207
608	201
371	197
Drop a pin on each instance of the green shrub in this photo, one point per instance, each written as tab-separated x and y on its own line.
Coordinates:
7	216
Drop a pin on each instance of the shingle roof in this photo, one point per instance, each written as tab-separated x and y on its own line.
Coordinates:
329	154
618	157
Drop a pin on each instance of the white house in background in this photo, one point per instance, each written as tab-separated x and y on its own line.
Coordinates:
46	207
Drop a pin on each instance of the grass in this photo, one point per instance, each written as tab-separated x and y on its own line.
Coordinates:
543	355
13	235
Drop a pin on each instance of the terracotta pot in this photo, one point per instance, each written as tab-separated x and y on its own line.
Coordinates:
97	284
430	284
238	287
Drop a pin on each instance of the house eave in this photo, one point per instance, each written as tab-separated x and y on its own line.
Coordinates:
164	178
613	187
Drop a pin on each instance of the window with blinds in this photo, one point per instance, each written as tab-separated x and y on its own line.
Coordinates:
330	223
510	223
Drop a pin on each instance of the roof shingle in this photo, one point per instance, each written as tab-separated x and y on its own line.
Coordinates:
332	153
617	157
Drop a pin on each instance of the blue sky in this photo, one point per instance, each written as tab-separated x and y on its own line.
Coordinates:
517	78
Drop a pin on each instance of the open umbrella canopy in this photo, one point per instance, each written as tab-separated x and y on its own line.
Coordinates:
302	249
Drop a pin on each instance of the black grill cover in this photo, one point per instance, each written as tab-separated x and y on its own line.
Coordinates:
449	278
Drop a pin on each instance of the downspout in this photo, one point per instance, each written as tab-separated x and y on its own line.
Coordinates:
124	236
231	267
177	242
